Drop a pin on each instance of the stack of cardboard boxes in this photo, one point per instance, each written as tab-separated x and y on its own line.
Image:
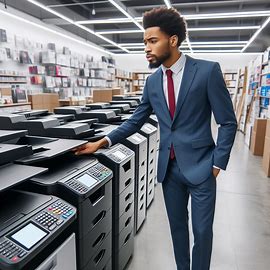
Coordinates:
105	95
258	136
266	152
47	101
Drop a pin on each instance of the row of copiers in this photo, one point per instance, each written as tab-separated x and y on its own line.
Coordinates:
64	212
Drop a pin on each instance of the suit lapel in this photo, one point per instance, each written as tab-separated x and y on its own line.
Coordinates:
161	95
188	76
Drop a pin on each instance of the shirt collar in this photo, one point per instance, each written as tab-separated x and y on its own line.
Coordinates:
177	66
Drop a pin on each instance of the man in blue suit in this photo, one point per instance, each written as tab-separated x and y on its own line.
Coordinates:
183	92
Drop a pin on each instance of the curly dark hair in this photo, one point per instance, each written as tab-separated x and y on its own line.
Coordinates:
169	20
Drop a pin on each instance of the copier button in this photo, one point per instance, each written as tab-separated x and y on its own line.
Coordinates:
59	222
15	259
52	227
22	254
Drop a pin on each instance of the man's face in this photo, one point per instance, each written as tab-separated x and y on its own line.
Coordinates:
157	46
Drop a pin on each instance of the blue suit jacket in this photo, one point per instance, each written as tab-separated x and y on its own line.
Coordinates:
202	92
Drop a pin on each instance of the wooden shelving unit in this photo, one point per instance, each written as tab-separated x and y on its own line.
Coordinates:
139	79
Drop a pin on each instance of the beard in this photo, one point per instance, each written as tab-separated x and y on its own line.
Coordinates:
159	60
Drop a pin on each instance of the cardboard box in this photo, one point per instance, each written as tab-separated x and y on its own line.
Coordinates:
258	137
266	156
117	91
267	132
260	125
102	95
47	101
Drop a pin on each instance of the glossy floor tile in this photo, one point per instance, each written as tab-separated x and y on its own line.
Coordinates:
242	221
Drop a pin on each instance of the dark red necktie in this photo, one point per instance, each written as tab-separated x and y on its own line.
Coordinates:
171	98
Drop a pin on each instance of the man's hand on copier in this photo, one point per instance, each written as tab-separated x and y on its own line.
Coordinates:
90	147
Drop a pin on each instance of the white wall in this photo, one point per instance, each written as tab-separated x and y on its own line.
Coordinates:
138	62
14	26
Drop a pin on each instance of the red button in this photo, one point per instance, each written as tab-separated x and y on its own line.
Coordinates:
15	259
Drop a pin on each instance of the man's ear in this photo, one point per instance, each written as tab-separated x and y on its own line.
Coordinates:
174	41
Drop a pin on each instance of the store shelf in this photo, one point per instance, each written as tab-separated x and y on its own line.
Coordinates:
123	78
12	82
14	104
16	76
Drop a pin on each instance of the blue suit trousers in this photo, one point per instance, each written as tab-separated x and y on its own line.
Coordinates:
177	190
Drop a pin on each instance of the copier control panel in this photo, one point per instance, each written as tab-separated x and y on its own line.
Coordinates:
85	181
17	244
120	153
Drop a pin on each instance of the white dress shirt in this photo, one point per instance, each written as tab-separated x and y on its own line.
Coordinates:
177	74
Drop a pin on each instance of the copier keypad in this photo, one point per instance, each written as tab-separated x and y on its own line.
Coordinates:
50	218
11	251
54	215
98	171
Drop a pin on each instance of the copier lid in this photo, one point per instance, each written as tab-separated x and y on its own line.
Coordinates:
18	204
14	174
6	135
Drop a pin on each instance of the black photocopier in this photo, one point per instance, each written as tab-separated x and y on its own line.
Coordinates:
131	103
31	234
104	116
124	108
125	97
150	132
138	144
120	160
86	184
40	125
154	121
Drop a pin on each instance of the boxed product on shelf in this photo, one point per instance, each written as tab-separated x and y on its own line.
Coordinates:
19	94
40	70
48	57
258	137
265	90
266	79
50	81
74	61
6	96
3	55
24	57
266	55
63	59
97	65
66	51
51	46
37	79
266	152
96	83
264	102
3	35
84	72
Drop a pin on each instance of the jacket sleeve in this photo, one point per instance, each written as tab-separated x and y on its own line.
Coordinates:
135	122
222	108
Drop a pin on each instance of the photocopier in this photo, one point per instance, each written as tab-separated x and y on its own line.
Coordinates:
32	235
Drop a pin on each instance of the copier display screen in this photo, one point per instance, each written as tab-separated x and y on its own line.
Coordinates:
29	235
87	180
119	154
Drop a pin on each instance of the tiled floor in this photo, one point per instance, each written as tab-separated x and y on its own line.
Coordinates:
242	221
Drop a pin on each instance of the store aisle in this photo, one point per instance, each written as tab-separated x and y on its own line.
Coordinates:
242	221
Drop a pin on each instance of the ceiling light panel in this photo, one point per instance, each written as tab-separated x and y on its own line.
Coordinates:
74	23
